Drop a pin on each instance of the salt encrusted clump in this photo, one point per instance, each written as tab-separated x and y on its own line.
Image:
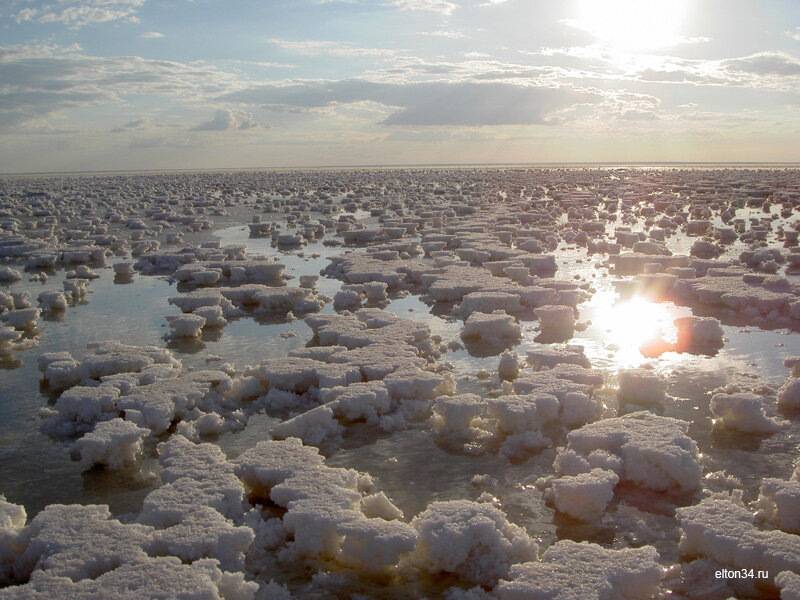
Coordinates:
584	571
743	412
454	415
186	326
706	248
264	300
333	376
789	584
779	502
556	318
52	302
8	335
472	540
573	386
761	299
157	405
12	544
792	363
653	452
347	299
361	267
372	326
487	302
497	328
293	382
724	531
60	370
516	421
146	393
547	357
369	402
199	299
75	291
519	420
194	475
323	506
586	495
80	542
115	443
9	275
22	318
213	315
195	511
123	269
164	577
789	394
633	263
509	366
641	387
699	334
79	408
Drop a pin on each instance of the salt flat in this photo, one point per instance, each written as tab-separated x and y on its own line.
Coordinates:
443	383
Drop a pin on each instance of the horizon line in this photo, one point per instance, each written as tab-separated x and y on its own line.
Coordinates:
410	166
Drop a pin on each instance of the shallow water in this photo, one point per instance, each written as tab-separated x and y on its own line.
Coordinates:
133	312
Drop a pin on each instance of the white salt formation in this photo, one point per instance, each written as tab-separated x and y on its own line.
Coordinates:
743	412
472	540
723	531
698	334
584	571
493	329
114	443
643	449
586	495
641	387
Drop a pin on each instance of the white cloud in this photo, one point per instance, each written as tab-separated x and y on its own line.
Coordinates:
44	80
78	13
311	47
439	6
444	33
766	63
225	120
432	103
151	35
26	14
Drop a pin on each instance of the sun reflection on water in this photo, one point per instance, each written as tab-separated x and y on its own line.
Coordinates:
632	331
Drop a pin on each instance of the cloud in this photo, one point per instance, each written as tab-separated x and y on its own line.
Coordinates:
425	103
42	80
136	124
765	63
638	115
311	47
440	6
151	35
24	15
444	33
226	120
78	13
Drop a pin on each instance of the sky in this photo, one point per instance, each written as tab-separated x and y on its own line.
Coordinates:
94	85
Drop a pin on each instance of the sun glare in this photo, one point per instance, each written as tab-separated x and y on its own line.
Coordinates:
636	325
632	24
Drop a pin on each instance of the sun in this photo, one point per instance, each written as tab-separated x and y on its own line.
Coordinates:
633	25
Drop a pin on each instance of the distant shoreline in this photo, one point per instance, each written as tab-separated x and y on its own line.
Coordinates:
564	165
